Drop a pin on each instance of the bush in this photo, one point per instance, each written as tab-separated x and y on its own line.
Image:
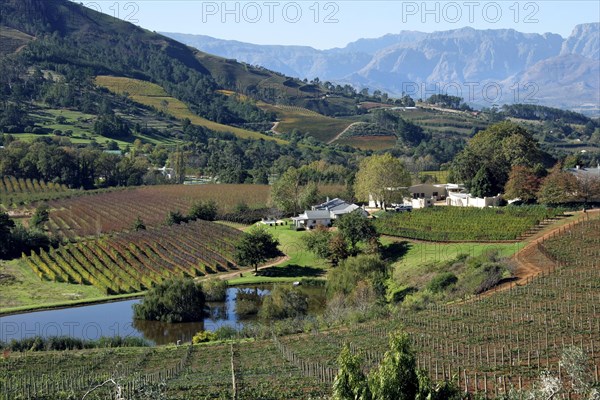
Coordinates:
174	300
226	332
205	210
203	337
442	281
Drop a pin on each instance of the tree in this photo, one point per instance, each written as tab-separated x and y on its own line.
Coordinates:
494	151
174	300
255	247
345	278
354	228
338	249
350	382
175	218
382	178
482	184
523	183
318	241
6	225
396	378
588	187
289	193
40	217
558	187
138	224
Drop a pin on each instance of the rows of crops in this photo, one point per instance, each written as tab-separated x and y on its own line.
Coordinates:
17	191
55	374
134	261
497	341
116	211
196	372
465	224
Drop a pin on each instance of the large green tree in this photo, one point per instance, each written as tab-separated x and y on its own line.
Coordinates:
486	162
174	300
355	228
255	247
383	178
558	187
291	194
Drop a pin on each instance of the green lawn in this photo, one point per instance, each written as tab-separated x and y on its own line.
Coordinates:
20	287
301	263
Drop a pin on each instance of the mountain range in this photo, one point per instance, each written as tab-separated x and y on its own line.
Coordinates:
485	67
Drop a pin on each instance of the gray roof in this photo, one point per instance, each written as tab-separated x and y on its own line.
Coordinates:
335	205
314	214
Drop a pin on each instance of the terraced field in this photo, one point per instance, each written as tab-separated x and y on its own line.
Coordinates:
20	191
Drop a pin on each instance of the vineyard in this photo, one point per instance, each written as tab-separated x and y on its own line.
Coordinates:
132	262
19	191
116	211
465	224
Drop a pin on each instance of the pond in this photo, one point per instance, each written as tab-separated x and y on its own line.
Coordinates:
116	319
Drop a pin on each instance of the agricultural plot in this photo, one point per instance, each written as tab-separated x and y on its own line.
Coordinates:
134	261
152	95
495	342
51	375
369	142
306	121
15	191
465	224
116	211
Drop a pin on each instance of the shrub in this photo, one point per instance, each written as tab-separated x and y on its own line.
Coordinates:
205	210
442	281
203	337
226	332
174	300
247	303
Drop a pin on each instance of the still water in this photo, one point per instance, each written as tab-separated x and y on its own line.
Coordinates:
116	319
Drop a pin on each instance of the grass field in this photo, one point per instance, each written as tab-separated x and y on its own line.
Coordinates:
20	287
306	121
301	263
152	95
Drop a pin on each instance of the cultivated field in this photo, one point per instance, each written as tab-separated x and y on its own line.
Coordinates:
116	211
306	121
135	261
465	224
20	191
152	95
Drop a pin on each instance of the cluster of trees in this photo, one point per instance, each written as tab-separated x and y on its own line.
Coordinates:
174	300
86	167
382	178
485	164
407	132
543	113
447	101
353	230
16	239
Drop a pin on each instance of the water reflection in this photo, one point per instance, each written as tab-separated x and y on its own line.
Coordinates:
116	319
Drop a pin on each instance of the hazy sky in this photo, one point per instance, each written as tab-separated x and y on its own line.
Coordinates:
327	24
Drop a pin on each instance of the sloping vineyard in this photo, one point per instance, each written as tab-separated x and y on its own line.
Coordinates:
134	261
497	342
116	211
465	224
19	191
